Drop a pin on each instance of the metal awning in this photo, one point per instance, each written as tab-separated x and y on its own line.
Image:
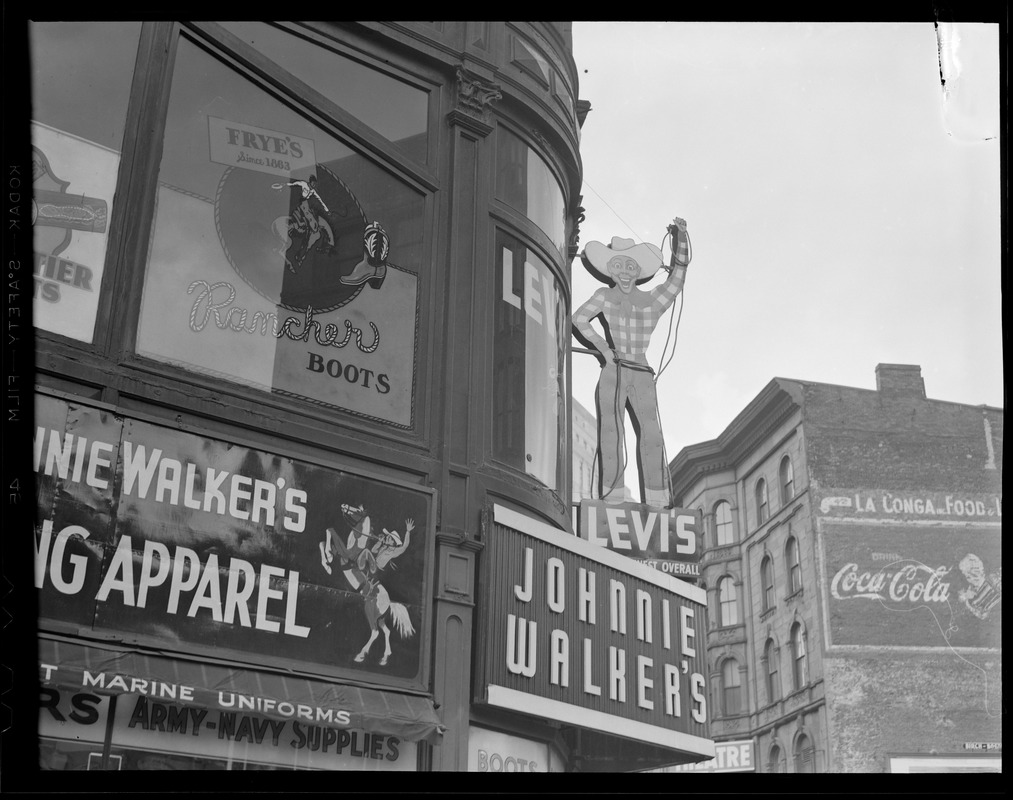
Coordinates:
104	670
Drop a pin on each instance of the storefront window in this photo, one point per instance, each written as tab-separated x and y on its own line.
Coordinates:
525	182
81	75
529	371
389	106
279	257
75	734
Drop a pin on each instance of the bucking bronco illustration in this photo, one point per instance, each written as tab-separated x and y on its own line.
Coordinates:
308	223
363	556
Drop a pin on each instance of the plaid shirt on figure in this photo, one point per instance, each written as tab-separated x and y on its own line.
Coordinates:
631	318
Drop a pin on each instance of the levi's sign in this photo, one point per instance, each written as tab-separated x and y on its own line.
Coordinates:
580	635
666	539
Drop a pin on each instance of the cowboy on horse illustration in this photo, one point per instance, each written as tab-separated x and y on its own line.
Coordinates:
362	557
305	221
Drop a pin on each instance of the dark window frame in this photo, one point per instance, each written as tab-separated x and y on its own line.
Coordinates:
728	602
725	526
786	473
767	582
84	368
731	693
793	564
762	502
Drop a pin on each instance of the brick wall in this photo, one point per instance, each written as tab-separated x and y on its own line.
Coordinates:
880	705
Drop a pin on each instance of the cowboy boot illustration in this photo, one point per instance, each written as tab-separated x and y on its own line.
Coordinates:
373	266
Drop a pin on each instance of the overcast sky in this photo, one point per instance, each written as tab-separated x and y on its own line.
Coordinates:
843	209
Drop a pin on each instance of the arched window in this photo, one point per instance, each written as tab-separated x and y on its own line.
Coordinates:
767	582
731	687
724	530
775	761
728	600
798	656
787	480
761	501
772	679
793	565
805	755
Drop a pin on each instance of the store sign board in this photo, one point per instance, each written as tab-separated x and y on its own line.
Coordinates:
284	281
879	504
237	144
152	533
666	539
580	635
728	757
73	182
151	732
494	751
913	586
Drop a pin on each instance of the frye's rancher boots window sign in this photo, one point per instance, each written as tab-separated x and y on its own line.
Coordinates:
153	534
280	258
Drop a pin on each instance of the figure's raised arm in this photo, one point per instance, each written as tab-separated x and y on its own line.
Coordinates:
664	295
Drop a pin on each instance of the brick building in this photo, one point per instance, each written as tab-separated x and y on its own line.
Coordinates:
852	562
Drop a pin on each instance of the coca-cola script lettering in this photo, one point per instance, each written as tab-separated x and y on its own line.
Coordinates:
914	583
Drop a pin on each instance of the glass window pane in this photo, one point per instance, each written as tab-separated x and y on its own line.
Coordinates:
529	370
787	480
394	109
525	182
723	520
279	258
732	686
729	605
81	74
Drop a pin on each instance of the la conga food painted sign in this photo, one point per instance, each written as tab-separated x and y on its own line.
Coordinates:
148	532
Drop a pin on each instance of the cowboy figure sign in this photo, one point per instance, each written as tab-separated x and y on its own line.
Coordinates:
629	316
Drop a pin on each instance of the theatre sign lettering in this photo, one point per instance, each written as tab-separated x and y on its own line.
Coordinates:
578	634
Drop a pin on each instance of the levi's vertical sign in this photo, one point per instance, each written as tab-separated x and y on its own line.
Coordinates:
580	635
667	539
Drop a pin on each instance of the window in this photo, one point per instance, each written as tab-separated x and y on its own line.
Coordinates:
731	687
787	480
280	258
805	755
728	599
724	531
767	582
78	120
775	761
773	681
798	656
393	108
531	333
761	501
793	565
525	182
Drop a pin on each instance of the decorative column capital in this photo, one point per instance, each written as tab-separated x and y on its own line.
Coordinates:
474	94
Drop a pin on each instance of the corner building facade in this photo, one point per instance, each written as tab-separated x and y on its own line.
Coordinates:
852	563
302	300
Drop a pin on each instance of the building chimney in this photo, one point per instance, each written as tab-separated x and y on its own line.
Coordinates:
900	380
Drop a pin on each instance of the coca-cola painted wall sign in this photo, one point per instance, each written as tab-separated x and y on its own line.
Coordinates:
907	586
